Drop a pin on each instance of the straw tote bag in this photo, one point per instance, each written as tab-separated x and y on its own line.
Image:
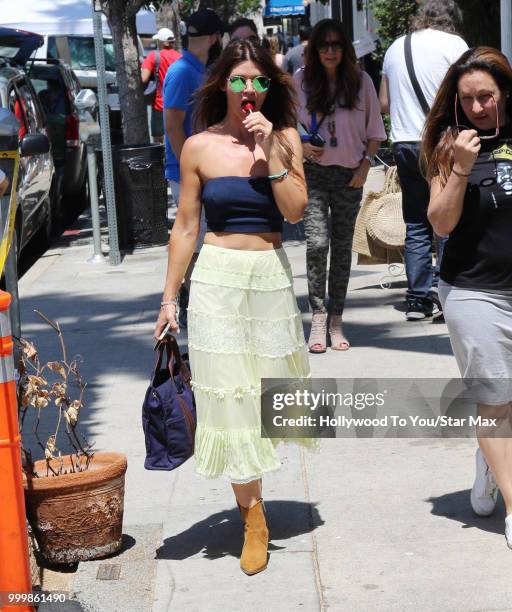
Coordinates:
379	233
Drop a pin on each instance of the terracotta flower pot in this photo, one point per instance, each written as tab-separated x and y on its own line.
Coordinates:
78	516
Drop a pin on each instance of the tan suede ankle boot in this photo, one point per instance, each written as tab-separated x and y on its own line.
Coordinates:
254	551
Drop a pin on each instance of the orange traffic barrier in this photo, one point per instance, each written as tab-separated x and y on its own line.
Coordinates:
15	576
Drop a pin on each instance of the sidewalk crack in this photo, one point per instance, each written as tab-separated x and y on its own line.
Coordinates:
314	554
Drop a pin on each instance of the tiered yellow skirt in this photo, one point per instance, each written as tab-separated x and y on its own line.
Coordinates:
243	325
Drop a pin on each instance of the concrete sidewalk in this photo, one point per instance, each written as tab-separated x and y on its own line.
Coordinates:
365	524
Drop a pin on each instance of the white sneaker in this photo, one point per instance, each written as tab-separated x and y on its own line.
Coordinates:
508	530
485	490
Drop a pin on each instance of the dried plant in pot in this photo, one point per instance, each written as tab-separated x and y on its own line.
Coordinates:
74	501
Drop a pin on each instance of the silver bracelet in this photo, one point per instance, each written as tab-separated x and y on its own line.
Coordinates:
279	175
169	302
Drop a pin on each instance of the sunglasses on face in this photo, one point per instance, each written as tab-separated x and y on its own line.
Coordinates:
335	46
460	127
237	84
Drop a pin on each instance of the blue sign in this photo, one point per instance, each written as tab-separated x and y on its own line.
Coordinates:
281	8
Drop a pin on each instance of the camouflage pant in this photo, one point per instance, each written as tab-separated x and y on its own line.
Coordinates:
328	191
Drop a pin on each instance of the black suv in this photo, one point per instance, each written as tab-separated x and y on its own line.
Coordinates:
36	178
56	86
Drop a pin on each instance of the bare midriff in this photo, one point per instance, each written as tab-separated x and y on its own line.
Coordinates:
244	242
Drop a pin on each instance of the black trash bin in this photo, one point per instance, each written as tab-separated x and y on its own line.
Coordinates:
141	195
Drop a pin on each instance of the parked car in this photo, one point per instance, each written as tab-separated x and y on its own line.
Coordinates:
37	183
57	86
77	51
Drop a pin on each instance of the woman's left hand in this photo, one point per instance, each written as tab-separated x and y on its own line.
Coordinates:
260	126
360	174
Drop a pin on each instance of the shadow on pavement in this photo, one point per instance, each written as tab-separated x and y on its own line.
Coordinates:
456	507
220	534
127	542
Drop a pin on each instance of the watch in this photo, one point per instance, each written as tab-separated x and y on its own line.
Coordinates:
370	158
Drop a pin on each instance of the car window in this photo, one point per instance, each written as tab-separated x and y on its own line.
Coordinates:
52	47
72	82
17	106
76	83
51	92
33	117
81	49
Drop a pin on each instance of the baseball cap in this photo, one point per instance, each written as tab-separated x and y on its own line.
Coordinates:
203	23
163	35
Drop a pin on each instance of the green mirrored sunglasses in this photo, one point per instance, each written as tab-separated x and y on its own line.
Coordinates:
239	83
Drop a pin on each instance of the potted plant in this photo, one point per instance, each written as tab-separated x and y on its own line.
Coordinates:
74	501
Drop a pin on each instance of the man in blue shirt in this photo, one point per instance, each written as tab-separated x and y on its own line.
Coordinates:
185	75
181	81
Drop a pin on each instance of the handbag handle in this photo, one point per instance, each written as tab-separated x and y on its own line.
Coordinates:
170	346
391	182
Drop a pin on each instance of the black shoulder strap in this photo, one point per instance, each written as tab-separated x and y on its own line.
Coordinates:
412	75
157	64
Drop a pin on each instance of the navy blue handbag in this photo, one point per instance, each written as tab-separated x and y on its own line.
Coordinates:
169	412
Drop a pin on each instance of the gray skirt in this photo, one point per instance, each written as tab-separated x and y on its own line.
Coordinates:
480	328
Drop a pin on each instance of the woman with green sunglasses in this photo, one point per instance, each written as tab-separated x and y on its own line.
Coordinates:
245	169
238	83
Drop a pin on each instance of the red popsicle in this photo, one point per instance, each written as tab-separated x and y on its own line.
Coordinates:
248	106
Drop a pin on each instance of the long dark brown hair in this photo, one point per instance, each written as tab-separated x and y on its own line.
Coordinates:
348	76
439	134
279	106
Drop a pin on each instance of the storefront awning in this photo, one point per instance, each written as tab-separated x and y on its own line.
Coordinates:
283	8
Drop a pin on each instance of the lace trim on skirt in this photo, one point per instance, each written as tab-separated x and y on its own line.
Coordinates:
238	334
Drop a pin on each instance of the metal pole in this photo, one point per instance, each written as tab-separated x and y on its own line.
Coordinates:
93	198
106	147
150	110
506	28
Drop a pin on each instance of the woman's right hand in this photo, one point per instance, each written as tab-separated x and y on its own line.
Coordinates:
465	150
166	315
310	152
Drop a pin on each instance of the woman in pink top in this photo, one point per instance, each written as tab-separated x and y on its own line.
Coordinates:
339	109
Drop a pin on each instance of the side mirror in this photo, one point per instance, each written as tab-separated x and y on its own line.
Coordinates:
34	144
86	100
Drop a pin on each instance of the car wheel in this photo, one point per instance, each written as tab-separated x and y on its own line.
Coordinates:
82	200
56	214
47	231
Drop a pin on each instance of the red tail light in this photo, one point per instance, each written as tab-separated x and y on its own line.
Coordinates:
72	135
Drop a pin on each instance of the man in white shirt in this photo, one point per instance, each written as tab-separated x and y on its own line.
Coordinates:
434	47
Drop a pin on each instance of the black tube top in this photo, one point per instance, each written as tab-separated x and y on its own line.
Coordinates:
242	204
